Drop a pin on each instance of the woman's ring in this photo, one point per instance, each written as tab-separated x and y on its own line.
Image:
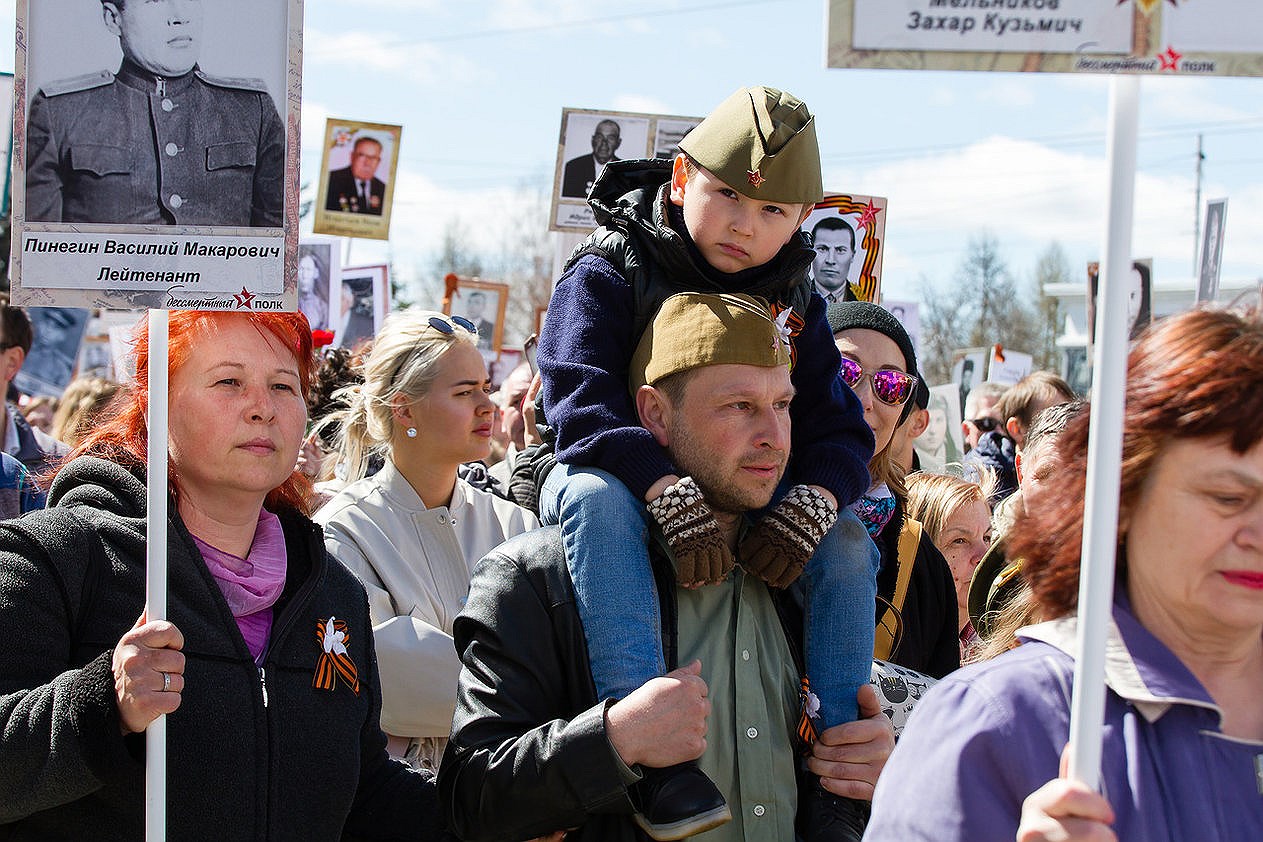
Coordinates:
166	682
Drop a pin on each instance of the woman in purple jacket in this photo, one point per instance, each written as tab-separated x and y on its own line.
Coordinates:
1182	756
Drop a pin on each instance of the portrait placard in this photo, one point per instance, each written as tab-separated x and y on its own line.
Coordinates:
941	444
968	367
356	192
1172	38
363	302
319	279
1212	249
483	303
1139	297
50	365
848	232
908	313
157	172
589	140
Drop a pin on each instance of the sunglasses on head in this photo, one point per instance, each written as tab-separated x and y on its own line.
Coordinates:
985	424
890	386
445	325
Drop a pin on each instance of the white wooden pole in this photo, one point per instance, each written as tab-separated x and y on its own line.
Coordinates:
1105	438
156	565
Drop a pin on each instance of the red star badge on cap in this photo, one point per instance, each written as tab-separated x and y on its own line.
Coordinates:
244	298
868	217
755	177
1170	59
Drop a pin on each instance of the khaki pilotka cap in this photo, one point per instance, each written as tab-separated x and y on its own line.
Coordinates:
761	142
694	329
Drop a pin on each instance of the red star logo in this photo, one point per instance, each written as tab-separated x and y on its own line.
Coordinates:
868	217
1170	59
755	178
244	298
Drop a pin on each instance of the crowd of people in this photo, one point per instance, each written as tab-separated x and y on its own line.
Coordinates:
641	592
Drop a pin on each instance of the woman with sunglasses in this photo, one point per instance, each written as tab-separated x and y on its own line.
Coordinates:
916	600
413	531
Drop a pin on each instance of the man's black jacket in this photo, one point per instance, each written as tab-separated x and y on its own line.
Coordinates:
529	754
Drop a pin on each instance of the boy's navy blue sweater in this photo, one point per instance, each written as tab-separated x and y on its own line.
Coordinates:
587	344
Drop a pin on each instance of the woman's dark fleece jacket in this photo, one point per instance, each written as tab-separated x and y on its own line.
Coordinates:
253	753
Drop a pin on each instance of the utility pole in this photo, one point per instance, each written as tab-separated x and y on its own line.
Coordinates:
1197	206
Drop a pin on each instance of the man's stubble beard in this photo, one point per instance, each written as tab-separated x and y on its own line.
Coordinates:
721	494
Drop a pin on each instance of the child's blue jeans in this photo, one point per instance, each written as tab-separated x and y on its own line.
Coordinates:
604	530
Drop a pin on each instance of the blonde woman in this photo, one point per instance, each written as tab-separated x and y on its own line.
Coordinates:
414	531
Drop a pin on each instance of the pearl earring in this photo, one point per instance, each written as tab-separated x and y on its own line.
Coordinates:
411	432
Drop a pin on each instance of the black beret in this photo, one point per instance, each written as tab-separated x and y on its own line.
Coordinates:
849	315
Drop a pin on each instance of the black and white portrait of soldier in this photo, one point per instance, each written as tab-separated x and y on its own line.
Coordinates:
154	139
356	188
476	312
57	333
580	172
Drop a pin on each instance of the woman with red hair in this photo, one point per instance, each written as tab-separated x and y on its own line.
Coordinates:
1182	753
265	666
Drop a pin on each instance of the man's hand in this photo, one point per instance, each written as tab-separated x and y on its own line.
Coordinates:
784	540
148	673
701	552
662	722
1063	810
848	758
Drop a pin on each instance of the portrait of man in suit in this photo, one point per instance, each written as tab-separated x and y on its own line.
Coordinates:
356	188
475	307
579	173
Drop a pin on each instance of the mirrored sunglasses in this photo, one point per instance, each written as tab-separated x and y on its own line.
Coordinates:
445	325
890	386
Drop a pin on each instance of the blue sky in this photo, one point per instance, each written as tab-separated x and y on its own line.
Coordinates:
479	88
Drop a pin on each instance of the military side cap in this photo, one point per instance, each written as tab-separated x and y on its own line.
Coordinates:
694	329
995	581
762	143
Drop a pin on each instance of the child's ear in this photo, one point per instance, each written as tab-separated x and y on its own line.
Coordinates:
679	180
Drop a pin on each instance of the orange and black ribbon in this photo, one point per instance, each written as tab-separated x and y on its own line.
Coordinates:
334	663
806	728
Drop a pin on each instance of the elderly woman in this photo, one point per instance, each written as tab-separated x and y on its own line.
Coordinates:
265	666
1183	723
413	531
957	518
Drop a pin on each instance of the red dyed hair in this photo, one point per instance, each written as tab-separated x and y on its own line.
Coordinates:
123	437
1198	375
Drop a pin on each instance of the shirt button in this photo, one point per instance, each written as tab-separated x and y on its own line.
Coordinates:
442	518
167	105
745	654
752	732
176	200
759	810
171	149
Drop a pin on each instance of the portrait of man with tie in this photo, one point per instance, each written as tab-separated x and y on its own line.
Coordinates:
356	188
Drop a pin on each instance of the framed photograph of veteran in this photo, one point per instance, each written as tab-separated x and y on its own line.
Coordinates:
156	153
363	301
591	139
357	179
483	303
58	333
847	232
